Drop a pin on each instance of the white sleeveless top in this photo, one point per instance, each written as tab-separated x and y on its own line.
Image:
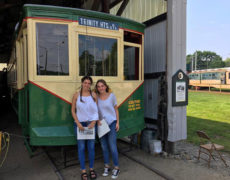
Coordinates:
86	110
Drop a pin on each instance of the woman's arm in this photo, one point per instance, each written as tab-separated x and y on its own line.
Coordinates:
117	116
73	111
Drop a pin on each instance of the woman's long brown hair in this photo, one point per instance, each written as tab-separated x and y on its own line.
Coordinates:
82	80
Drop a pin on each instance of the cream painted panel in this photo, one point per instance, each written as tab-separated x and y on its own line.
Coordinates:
194	81
67	89
25	58
19	65
123	90
64	90
210	82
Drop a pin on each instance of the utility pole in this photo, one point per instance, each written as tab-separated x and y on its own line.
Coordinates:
195	60
192	62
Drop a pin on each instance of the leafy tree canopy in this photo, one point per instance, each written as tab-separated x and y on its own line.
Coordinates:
227	62
204	60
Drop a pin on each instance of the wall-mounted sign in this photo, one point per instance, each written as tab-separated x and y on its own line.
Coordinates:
98	23
180	89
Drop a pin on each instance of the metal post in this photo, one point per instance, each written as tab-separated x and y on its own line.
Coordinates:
195	60
192	63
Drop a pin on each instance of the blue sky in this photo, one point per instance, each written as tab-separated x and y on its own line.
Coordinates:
208	26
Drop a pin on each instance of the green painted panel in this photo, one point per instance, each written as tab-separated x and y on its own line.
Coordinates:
132	121
22	110
48	112
61	135
53	131
51	122
20	106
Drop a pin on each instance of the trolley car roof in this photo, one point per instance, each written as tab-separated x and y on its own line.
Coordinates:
11	11
212	70
73	14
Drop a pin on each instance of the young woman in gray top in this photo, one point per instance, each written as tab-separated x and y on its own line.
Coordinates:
108	110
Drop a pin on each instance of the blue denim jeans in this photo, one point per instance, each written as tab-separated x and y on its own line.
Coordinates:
109	144
81	148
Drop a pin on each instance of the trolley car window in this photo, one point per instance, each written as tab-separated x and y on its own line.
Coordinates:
131	63
194	76
52	49
132	37
97	56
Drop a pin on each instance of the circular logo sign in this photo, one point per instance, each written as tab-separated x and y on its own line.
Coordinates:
180	75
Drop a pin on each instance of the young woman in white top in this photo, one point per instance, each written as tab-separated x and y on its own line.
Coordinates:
108	110
85	113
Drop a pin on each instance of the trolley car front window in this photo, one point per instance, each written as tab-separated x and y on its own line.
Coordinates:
52	49
97	56
131	63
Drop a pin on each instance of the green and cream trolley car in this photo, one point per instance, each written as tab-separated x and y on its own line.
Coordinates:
54	48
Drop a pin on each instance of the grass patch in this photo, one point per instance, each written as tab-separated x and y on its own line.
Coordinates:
209	112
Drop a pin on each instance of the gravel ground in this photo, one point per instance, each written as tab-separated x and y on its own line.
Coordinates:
189	153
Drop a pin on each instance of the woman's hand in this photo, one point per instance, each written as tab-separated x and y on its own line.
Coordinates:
117	126
91	125
81	128
99	123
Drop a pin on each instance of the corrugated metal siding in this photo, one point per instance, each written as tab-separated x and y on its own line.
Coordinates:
142	10
155	48
151	98
155	61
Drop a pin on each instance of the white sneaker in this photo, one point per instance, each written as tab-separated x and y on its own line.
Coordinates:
106	171
115	173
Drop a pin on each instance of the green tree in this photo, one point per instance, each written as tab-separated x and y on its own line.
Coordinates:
86	59
205	60
189	58
227	62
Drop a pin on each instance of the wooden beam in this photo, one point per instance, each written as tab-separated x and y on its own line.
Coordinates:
114	3
122	8
6	6
105	6
96	4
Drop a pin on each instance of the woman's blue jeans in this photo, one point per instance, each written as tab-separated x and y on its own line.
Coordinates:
81	148
109	144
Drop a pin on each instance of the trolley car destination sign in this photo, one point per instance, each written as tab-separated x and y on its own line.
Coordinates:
98	23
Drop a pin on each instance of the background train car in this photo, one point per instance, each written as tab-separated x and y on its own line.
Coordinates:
54	48
217	78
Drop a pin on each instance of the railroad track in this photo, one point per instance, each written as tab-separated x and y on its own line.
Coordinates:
59	168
